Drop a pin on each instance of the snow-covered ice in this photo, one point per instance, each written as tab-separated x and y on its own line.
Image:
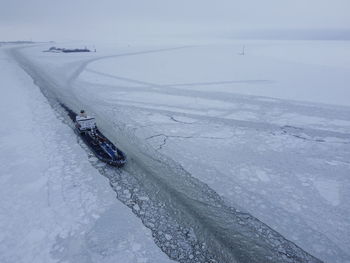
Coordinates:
268	131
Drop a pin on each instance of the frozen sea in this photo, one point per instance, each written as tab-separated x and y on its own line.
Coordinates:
268	131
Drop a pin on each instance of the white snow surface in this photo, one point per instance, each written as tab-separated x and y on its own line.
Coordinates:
54	206
269	131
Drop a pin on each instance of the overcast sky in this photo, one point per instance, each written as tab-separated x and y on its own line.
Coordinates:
112	19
